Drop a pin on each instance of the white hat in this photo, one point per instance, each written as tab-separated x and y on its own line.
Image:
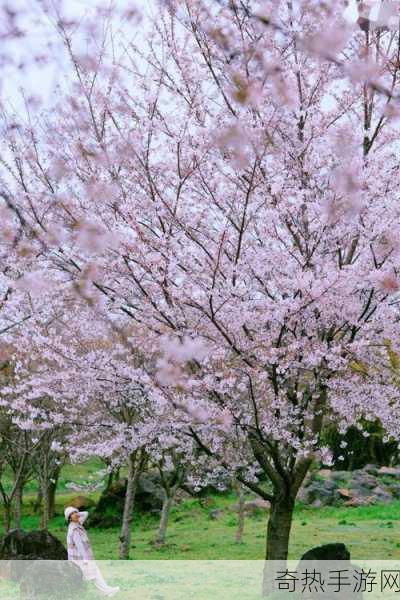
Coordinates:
68	512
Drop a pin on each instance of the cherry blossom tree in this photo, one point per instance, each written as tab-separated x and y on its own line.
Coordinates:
225	199
176	460
101	397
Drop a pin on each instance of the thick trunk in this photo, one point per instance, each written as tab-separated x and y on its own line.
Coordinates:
241	515
133	475
278	533
279	525
162	530
18	506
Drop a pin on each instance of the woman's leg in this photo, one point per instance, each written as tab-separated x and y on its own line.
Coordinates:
99	581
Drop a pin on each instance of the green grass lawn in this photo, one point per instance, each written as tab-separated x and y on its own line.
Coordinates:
371	532
82	473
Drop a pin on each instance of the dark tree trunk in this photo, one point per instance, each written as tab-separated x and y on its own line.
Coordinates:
38	501
6	516
18	506
52	498
278	534
278	531
52	490
110	481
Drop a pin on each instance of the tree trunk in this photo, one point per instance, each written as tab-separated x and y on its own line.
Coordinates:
38	501
110	480
351	462
241	515
278	533
162	530
44	515
51	492
279	525
133	475
18	506
6	517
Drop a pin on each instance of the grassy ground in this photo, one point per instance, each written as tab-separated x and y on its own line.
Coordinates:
369	532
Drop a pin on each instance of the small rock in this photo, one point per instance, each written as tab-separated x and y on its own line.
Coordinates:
81	503
329	485
378	490
359	491
325	473
345	493
317	503
372	469
357	501
216	513
316	491
382	495
368	481
325	496
392	471
358	473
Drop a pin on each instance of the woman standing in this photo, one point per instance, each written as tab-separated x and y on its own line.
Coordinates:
80	551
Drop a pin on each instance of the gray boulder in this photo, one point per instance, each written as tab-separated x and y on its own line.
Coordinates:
34	545
352	488
372	469
382	495
389	471
109	509
369	482
330	485
216	513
